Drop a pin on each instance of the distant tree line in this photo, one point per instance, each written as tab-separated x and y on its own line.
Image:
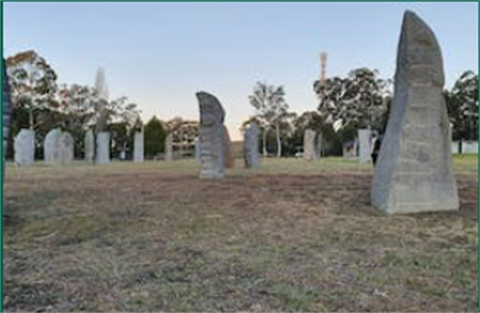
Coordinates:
362	99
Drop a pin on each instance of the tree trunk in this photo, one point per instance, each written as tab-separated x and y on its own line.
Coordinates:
264	142
279	141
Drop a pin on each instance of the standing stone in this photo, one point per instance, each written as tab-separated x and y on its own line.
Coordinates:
413	171
58	147
309	145
103	148
138	144
169	148
228	149
197	151
6	113
364	146
89	147
24	146
212	156
250	147
51	147
67	148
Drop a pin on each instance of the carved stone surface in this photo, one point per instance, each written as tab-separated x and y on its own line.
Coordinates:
250	147
228	149
89	147
212	153
364	146
24	146
6	113
58	147
309	150
138	147
413	171
197	151
102	155
169	147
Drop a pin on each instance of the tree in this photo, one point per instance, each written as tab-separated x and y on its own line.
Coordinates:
154	137
33	84
357	101
462	105
270	106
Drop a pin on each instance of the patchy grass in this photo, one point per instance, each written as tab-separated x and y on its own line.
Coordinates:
291	236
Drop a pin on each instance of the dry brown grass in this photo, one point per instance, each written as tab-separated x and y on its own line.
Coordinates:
289	237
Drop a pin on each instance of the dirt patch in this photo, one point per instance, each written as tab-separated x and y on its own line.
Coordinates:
164	241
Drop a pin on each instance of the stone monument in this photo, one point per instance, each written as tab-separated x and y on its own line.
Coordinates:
58	147
169	148
250	147
413	172
309	151
138	144
89	147
24	146
102	155
212	153
364	146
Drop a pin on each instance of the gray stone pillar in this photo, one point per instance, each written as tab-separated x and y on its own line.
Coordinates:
414	168
24	146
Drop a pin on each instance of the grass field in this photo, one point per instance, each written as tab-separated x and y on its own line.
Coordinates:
291	236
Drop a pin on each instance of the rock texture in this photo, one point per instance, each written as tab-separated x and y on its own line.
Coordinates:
364	146
24	146
250	147
309	150
138	147
6	113
197	151
212	153
89	142
413	172
102	155
58	147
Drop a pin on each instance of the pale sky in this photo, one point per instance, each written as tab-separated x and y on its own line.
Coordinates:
160	54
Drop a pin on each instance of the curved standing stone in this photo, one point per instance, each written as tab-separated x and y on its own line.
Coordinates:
309	151
103	148
212	152
89	147
138	144
6	113
58	147
24	146
250	147
413	172
51	147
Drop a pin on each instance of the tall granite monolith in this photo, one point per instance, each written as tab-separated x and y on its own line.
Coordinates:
250	147
414	169
58	147
309	151
212	137
24	147
138	147
364	146
89	146
169	148
102	155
